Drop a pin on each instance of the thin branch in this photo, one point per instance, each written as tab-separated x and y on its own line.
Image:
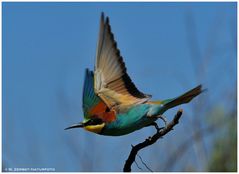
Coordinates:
138	165
144	163
151	140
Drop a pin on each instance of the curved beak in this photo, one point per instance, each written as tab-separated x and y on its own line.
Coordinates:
78	125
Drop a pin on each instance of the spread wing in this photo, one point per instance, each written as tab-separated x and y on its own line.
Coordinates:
93	105
112	83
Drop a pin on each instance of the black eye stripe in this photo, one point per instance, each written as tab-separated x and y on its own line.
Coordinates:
94	121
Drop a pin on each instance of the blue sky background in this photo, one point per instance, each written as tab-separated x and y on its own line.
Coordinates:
168	49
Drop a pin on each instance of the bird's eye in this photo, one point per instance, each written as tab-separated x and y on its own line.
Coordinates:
94	121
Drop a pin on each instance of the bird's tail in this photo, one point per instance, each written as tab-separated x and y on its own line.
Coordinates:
185	98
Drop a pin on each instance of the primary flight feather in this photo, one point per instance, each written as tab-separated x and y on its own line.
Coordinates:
112	103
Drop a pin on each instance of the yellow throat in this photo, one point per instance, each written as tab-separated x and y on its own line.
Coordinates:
95	128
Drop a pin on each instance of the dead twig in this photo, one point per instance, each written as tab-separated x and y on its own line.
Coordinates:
144	163
151	140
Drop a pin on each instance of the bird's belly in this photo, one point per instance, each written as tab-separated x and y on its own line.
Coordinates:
118	130
129	122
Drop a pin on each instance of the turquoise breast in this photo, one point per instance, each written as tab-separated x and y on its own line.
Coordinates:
134	119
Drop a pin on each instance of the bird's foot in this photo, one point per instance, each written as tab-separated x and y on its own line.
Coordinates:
156	126
164	119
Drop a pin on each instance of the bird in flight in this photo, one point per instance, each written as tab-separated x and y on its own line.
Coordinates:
112	104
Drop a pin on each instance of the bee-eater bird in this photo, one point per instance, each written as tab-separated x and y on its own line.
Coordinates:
112	104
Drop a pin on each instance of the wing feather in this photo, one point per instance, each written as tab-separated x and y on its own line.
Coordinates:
92	104
112	83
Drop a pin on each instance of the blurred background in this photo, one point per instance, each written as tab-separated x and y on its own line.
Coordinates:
168	49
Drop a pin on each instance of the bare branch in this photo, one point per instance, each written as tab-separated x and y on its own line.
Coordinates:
151	140
144	163
138	165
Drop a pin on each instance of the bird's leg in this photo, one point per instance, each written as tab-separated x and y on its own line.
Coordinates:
156	126
163	118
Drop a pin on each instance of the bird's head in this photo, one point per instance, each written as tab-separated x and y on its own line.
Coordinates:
93	125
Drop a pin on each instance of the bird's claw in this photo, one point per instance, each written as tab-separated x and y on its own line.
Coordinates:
164	119
156	126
